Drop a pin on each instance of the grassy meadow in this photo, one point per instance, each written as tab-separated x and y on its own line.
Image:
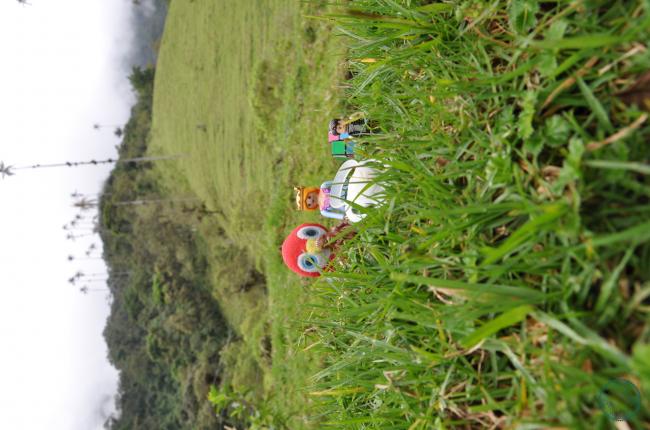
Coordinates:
244	91
505	282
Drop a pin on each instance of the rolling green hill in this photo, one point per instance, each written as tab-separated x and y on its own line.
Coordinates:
243	93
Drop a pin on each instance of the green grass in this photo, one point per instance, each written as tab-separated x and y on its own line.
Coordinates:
231	96
505	280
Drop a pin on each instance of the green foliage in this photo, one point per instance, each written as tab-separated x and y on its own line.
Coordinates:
156	290
239	407
141	81
165	330
522	15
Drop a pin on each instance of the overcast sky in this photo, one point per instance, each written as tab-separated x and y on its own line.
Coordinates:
62	71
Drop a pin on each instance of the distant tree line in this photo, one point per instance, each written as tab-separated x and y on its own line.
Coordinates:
165	330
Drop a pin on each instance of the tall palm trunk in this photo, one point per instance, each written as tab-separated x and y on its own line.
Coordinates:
6	170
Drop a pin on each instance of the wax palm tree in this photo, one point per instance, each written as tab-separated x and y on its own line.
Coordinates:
73	258
8	170
139	202
86	290
117	129
98	126
5	170
74	237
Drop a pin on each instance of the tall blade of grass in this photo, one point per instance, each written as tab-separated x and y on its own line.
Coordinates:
637	234
550	213
435	8
473	209
582	42
632	166
593	341
608	285
506	319
595	105
379	20
524	293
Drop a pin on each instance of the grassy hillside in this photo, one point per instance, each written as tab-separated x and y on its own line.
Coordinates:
244	91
